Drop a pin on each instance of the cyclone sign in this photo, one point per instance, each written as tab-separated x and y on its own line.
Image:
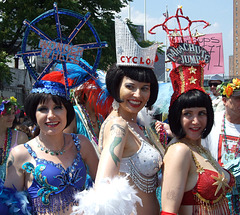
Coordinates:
188	54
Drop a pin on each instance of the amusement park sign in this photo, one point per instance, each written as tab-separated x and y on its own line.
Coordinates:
188	54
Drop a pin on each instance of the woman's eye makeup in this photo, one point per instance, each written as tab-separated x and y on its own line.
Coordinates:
58	107
41	109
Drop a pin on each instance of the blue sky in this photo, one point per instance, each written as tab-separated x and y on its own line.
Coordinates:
218	13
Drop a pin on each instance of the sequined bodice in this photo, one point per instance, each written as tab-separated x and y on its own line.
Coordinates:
53	187
143	166
209	194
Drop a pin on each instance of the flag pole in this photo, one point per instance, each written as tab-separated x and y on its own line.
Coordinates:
145	22
129	10
166	68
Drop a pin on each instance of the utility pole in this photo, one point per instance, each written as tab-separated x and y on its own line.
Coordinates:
129	10
145	22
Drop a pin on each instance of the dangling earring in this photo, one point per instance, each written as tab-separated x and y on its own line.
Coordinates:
115	105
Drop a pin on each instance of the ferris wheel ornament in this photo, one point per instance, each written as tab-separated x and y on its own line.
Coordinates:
61	50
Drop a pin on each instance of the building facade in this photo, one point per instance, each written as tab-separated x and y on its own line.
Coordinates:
235	72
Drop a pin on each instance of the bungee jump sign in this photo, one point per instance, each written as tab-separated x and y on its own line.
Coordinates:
188	54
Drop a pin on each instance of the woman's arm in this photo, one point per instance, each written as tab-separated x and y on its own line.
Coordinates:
115	192
175	174
115	136
14	171
89	155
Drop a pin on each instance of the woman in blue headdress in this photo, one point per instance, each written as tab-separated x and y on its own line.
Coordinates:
48	170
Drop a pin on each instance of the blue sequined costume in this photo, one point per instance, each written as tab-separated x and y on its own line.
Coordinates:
53	187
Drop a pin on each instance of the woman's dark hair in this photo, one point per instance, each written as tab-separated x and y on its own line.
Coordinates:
34	99
116	73
192	98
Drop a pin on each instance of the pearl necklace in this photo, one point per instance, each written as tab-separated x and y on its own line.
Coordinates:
51	152
225	138
7	146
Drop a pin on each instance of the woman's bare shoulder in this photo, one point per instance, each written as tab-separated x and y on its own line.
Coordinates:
178	149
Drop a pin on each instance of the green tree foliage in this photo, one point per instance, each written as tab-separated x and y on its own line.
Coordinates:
136	35
5	73
13	13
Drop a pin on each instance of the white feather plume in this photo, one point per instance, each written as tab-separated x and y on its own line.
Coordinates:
112	197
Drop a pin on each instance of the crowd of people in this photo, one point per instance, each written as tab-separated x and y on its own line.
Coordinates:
89	153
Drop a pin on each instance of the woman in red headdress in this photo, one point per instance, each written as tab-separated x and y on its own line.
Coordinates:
193	181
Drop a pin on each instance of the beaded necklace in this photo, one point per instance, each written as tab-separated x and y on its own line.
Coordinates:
90	123
7	146
225	138
51	152
163	136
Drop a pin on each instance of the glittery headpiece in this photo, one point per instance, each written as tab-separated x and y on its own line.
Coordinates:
128	52
188	58
51	83
55	83
61	50
185	78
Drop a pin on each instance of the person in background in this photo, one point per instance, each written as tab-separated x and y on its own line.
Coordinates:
51	167
9	137
224	139
215	95
193	181
92	105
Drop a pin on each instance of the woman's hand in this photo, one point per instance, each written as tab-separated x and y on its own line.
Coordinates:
162	125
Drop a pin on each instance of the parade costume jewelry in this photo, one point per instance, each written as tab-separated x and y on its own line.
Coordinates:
207	155
7	146
53	187
144	175
49	151
209	194
163	138
225	138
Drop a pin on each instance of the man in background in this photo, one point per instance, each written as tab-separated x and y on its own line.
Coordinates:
213	83
224	138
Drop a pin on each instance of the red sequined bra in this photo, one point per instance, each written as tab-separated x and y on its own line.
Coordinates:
209	194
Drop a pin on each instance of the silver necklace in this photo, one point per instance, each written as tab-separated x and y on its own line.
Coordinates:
49	151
